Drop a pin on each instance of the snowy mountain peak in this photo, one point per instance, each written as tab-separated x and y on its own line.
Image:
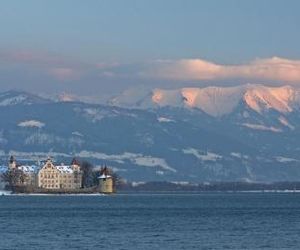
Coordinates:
13	97
215	101
167	97
260	98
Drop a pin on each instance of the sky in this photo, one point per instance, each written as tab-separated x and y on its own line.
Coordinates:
100	48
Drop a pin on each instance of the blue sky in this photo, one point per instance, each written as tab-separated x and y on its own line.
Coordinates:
125	36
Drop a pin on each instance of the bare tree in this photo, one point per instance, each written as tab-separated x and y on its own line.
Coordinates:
14	177
88	175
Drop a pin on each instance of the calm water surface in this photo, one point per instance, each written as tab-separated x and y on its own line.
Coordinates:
145	221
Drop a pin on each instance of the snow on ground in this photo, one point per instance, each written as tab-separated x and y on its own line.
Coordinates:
163	97
137	183
239	155
285	159
98	114
95	114
137	159
261	127
137	97
77	133
13	100
218	101
28	169
182	183
235	154
215	101
42	139
32	124
164	119
260	98
64	169
65	97
285	122
204	156
150	161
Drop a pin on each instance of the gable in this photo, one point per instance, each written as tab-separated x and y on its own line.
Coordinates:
49	167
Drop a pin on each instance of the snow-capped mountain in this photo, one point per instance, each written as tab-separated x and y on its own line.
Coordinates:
215	101
248	132
13	97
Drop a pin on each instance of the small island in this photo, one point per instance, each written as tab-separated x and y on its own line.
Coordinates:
51	178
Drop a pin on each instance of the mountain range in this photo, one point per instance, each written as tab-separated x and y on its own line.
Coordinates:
242	133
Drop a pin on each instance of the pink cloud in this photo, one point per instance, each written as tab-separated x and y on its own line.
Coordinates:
64	74
65	69
60	68
275	68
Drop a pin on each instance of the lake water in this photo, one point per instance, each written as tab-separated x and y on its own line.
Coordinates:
151	221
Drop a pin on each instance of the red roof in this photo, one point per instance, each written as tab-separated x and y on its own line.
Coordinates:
75	162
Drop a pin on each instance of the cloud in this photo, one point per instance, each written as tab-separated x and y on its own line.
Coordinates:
275	68
30	57
66	69
45	72
58	67
64	74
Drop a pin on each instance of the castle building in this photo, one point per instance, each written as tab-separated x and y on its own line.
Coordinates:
52	176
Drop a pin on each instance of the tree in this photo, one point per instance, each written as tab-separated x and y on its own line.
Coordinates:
14	177
88	174
117	180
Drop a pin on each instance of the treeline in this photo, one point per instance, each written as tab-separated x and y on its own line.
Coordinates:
13	177
90	175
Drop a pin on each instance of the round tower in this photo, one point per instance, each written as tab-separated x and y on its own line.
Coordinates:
105	181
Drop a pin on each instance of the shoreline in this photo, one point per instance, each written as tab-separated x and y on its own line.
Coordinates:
10	193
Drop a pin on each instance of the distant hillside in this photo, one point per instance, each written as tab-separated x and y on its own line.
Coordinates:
248	133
